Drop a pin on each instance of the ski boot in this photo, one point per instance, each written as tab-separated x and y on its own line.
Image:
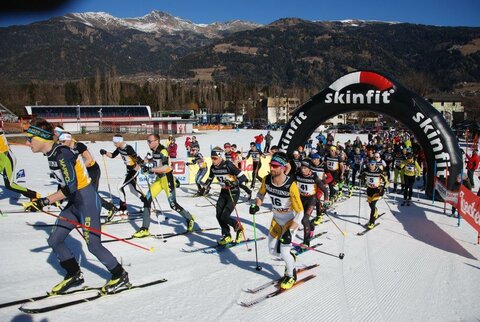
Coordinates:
370	225
239	233
190	224
288	282
119	279
73	278
141	233
111	213
227	239
318	220
122	210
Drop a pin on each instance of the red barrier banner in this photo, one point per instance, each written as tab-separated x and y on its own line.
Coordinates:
451	197
469	207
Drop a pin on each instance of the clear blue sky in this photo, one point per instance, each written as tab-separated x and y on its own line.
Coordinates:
431	12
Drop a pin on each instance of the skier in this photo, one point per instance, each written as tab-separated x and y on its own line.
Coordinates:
318	168
309	184
165	181
229	177
233	157
202	169
411	170
375	181
257	164
268	141
336	167
83	206
287	214
132	161
93	169
7	167
397	170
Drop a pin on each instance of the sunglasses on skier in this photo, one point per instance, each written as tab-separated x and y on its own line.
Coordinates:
275	165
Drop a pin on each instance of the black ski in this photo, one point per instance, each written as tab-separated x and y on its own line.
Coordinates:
299	250
90	294
276	292
277	281
162	236
217	248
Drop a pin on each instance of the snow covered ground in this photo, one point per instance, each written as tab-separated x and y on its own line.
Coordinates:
417	265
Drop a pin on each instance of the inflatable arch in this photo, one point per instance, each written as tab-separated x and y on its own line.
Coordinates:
372	91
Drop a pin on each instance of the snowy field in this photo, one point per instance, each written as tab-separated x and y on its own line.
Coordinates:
417	265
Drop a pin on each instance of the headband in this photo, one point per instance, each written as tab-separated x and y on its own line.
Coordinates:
117	139
281	161
58	130
39	132
64	136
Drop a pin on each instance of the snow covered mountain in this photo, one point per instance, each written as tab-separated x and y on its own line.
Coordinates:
159	22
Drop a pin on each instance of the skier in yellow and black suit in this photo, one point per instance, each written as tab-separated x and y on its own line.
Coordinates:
7	167
165	181
411	169
83	206
376	182
287	214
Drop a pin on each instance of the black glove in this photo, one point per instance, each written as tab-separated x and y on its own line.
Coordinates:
36	204
229	184
188	163
146	168
103	152
253	209
53	176
286	237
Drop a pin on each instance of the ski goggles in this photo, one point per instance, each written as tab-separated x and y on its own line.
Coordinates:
117	139
41	134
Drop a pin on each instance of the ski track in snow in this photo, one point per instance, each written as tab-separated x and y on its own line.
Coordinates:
416	266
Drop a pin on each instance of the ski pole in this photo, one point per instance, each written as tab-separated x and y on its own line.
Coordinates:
93	230
108	180
209	201
340	255
344	233
258	267
359	198
238	218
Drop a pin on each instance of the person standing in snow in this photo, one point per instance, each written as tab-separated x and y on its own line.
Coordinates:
268	141
229	177
83	207
132	161
376	181
7	167
287	214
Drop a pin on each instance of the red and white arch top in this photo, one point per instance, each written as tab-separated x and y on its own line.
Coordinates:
371	78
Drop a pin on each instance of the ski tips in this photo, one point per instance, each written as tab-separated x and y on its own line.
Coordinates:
152	249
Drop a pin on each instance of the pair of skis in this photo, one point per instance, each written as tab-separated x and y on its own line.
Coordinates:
163	236
47	303
368	229
212	249
278	290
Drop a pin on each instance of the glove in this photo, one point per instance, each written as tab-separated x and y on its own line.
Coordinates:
418	179
286	237
52	175
35	204
103	152
188	163
229	184
146	168
253	209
